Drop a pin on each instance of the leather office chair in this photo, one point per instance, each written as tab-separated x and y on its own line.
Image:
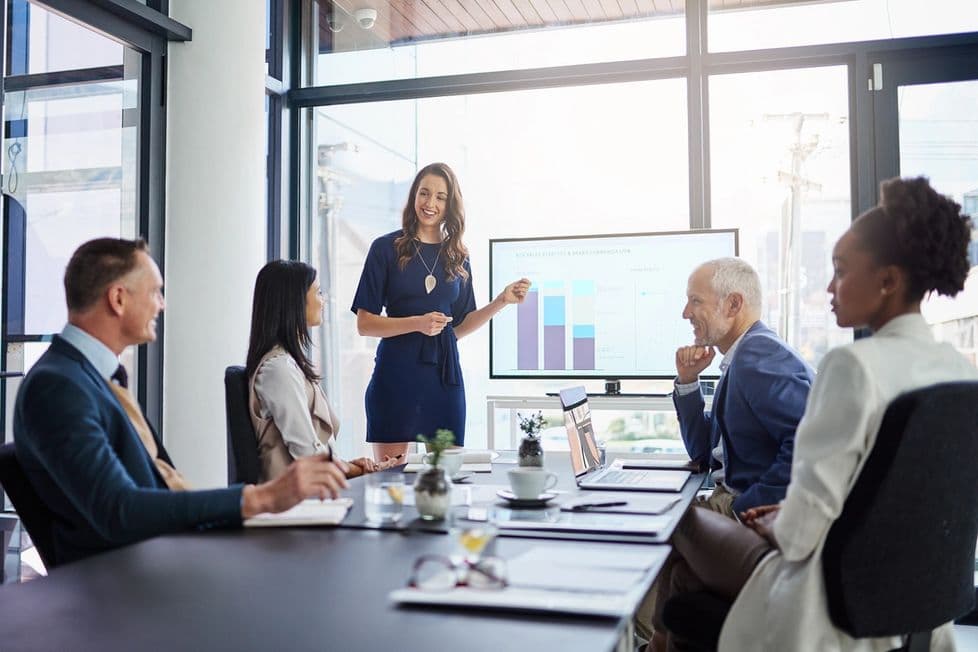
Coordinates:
33	513
243	463
899	560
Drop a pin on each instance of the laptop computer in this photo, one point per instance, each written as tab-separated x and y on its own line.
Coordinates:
589	472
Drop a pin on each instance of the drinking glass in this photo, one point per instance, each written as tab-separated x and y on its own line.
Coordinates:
383	497
473	528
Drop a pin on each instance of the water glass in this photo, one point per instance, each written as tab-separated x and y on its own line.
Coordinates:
473	528
383	498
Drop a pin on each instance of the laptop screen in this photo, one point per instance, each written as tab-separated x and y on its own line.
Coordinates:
580	433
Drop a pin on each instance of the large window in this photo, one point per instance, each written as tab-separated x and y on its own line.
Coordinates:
938	134
627	174
407	39
793	23
70	166
779	144
587	121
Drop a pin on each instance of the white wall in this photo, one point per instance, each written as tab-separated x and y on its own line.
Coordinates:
215	221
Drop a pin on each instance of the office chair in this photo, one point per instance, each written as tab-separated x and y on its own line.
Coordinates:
899	560
35	516
243	463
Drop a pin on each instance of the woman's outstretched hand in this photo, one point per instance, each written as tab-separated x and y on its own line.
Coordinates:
516	291
362	466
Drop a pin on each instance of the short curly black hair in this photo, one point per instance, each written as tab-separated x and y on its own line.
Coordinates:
920	230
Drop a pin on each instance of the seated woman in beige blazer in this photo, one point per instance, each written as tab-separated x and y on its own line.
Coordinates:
913	243
288	407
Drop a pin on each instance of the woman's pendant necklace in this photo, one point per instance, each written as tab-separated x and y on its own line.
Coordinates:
429	281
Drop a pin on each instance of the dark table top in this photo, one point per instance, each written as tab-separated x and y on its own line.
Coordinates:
270	589
282	589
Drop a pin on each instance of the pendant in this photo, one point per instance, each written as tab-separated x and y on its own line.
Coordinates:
429	283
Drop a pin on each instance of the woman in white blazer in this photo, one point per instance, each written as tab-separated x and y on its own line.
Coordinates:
914	242
288	407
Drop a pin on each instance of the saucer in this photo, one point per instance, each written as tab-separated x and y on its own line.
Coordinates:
461	476
526	503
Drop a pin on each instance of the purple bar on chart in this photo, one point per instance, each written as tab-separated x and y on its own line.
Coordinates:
527	338
553	347
584	353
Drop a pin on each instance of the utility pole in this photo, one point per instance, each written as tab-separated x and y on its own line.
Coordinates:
790	253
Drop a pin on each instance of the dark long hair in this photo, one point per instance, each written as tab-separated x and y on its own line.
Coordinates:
453	250
278	314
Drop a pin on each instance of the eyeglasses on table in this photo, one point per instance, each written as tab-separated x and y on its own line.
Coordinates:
441	573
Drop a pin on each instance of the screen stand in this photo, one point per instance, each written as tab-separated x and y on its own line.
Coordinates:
612	387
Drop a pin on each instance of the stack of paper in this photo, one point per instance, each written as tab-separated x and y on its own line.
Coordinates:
308	512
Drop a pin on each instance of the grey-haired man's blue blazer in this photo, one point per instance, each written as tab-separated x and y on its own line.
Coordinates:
85	460
756	409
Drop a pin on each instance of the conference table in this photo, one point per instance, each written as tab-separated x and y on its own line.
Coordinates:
289	588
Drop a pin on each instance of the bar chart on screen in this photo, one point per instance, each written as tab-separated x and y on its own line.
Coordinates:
603	306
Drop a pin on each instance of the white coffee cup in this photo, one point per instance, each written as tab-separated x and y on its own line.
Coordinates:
528	483
450	460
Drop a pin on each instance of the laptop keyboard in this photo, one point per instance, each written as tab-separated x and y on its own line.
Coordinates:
623	477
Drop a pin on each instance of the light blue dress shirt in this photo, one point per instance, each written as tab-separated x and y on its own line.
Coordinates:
101	357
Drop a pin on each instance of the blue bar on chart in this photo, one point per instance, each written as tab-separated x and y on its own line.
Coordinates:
554	325
527	331
582	293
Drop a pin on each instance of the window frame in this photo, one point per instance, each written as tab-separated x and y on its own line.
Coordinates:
146	30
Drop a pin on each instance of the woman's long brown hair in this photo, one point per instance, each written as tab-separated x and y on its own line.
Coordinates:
453	251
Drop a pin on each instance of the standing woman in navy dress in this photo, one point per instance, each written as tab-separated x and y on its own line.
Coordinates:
421	275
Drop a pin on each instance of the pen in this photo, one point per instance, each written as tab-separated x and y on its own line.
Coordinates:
586	506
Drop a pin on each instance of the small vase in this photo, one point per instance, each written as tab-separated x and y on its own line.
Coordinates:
531	451
432	493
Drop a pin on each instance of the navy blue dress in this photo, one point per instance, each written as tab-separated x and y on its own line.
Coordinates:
416	387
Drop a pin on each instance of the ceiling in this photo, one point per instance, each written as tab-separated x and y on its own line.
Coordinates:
405	21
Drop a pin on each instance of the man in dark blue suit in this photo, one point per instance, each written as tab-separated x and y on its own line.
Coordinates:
749	435
83	442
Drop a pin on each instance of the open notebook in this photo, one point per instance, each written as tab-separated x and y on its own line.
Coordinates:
309	512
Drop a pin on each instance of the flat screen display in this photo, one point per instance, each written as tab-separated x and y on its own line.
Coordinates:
602	306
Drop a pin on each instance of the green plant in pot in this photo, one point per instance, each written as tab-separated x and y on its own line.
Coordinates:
433	489
531	448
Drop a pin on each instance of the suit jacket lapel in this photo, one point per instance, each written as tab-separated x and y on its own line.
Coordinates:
719	400
65	347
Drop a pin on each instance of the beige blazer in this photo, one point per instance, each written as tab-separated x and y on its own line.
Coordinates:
783	605
291	415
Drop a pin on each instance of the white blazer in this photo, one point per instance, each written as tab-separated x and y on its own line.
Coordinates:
783	605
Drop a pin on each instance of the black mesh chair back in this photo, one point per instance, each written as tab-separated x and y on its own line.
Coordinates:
34	515
900	558
243	463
